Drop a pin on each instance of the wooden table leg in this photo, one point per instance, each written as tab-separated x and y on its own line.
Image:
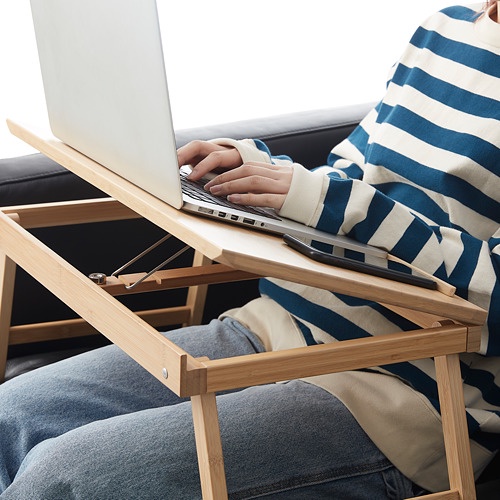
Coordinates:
7	277
209	447
456	436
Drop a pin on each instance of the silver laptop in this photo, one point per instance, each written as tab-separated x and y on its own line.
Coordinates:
106	93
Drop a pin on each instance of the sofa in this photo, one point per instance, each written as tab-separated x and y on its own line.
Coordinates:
103	247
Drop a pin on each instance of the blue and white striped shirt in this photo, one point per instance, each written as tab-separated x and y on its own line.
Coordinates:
420	177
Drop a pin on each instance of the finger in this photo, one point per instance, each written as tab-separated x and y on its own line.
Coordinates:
251	184
268	166
258	200
215	161
192	152
205	157
247	170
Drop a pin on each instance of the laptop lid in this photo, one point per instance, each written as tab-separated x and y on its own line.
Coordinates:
106	93
105	86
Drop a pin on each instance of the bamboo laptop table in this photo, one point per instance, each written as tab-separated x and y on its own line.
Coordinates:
449	325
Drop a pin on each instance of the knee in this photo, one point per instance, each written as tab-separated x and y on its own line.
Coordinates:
62	467
18	430
43	474
125	458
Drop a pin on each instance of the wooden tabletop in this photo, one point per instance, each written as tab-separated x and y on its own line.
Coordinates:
246	249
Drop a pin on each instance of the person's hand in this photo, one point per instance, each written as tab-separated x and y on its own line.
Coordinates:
205	157
254	183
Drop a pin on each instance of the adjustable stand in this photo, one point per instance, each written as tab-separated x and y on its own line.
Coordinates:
244	252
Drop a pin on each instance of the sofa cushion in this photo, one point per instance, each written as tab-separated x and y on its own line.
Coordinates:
37	179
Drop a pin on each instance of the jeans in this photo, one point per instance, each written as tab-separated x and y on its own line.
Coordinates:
98	426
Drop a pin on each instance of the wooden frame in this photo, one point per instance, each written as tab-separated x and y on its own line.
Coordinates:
239	251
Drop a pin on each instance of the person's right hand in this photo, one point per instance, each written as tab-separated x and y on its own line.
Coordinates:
205	157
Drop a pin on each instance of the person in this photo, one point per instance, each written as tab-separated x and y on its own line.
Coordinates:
419	177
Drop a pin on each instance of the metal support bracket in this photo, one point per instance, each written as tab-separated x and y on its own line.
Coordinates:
102	278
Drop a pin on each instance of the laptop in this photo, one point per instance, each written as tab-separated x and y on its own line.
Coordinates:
106	93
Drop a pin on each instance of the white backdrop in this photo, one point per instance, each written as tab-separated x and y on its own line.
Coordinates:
230	60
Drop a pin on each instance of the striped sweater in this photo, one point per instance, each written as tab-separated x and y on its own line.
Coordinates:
420	177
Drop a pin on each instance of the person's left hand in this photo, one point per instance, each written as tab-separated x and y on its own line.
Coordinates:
254	183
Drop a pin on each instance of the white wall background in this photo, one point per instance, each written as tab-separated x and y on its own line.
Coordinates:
236	59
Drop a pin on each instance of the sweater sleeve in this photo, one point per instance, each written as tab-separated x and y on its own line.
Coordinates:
253	150
339	199
358	210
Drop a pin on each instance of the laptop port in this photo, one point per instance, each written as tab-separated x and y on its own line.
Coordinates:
248	221
221	214
204	210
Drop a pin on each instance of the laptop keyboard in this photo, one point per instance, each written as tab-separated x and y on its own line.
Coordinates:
195	190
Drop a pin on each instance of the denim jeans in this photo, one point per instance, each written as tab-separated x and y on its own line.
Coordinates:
98	426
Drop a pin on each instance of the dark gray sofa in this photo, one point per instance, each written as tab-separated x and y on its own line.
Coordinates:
103	247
